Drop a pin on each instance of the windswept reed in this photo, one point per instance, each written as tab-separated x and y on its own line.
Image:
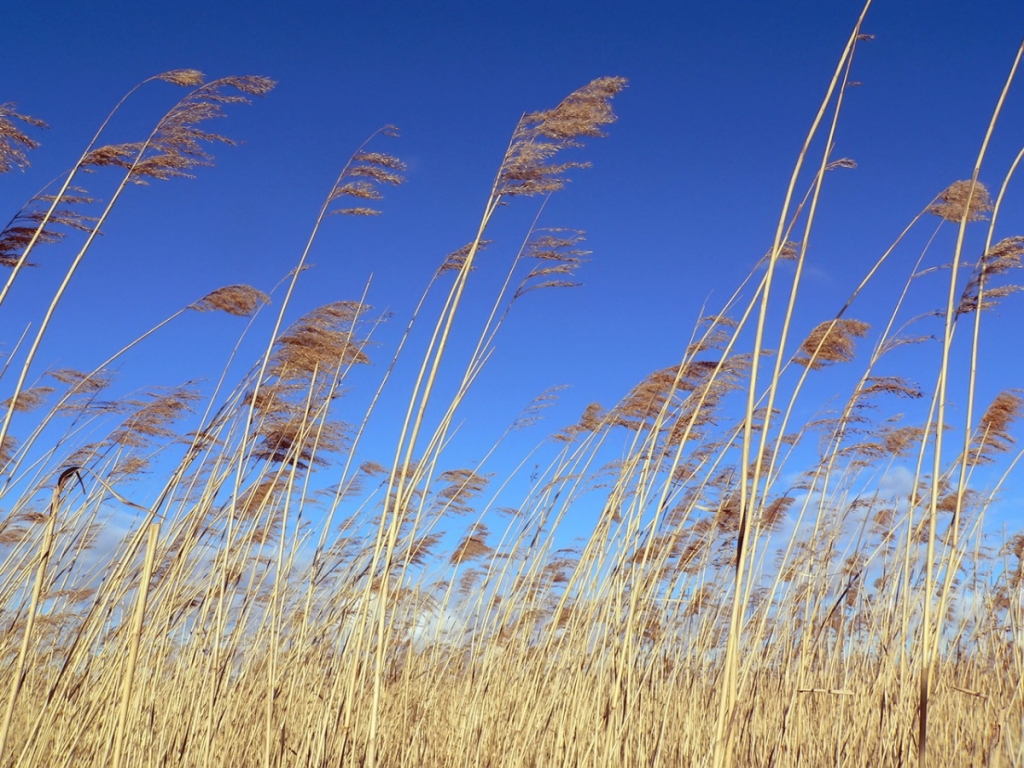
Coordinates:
724	568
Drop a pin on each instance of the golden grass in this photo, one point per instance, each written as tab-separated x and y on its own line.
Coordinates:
749	589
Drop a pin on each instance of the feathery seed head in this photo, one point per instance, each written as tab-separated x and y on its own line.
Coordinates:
177	145
592	419
774	515
189	78
420	549
363	174
528	168
831	342
962	198
80	381
1000	259
787	251
559	259
357	211
532	413
843	162
7	448
1003	256
118	155
128	467
581	114
898	441
1006	408
153	418
13	141
890	385
456	260
993	435
461	485
27	400
256	498
322	340
291	438
239	300
472	546
373	468
274	398
15	238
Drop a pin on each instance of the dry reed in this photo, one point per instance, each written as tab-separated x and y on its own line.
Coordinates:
744	591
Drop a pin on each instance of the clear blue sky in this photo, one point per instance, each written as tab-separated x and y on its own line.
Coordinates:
681	202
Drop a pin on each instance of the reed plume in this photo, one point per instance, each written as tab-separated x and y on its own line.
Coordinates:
14	142
761	553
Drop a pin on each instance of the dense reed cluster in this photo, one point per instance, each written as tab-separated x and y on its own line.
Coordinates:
698	574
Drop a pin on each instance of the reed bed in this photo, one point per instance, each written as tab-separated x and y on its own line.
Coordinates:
700	574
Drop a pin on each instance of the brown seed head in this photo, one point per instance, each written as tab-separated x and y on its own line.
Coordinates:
581	114
178	145
533	412
456	260
472	546
843	162
890	385
831	342
774	515
7	448
960	199
189	78
373	468
1000	259
292	438
363	175
129	467
28	400
994	427
116	155
559	258
788	251
900	440
528	168
1004	410
258	497
25	226
421	548
153	418
239	300
13	142
461	485
322	340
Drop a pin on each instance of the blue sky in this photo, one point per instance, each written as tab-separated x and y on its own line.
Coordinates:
681	202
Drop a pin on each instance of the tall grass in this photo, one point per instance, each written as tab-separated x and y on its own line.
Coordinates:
720	569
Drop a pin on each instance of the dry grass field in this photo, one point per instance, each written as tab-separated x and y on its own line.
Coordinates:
699	574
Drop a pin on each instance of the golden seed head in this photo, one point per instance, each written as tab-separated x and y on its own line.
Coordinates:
13	141
528	168
831	342
190	78
962	198
238	300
